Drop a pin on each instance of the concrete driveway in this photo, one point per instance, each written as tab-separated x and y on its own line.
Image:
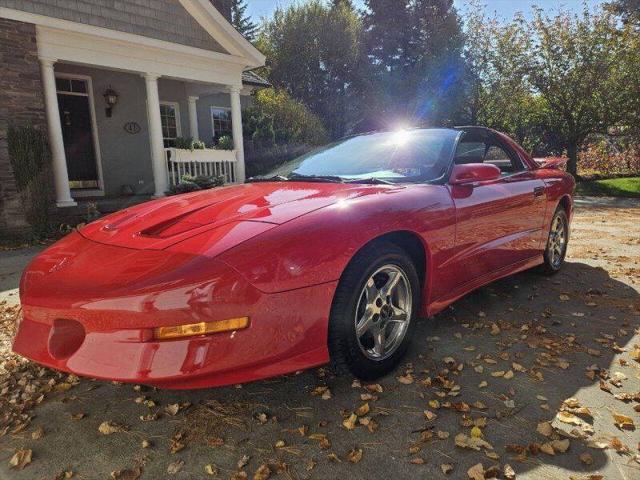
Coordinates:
506	359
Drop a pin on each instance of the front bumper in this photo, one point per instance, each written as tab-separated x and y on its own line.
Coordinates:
98	321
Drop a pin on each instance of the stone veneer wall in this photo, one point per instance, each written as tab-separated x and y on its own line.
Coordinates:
21	103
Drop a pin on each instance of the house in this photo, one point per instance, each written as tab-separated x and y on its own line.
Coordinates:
114	83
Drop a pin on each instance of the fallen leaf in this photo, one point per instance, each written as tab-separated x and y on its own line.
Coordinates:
446	468
350	423
20	459
406	379
463	441
263	473
362	410
172	409
211	469
476	472
509	472
243	462
623	421
547	448
354	455
175	467
126	474
107	428
561	445
545	428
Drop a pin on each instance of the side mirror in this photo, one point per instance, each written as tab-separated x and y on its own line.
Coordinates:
473	172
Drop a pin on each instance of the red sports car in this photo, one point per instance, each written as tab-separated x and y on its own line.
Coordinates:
332	256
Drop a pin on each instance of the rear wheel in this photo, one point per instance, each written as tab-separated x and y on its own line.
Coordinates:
557	243
374	311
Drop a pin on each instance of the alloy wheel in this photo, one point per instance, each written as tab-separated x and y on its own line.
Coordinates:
383	312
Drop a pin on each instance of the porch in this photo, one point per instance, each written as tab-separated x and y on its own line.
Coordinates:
117	105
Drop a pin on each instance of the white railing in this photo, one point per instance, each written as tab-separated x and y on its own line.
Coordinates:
208	162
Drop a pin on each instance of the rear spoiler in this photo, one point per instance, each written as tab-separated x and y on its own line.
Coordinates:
551	162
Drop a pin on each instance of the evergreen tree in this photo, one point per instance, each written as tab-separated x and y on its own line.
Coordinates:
241	21
414	52
312	52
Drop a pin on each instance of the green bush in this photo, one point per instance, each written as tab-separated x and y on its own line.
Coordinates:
277	119
189	183
29	154
278	128
225	143
188	143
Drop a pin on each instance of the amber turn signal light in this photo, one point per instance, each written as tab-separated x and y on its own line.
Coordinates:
202	328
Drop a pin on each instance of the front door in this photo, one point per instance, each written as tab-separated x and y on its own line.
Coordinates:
498	223
77	132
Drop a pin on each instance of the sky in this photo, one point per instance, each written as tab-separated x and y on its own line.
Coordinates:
505	8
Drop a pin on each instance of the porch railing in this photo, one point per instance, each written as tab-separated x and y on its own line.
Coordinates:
208	162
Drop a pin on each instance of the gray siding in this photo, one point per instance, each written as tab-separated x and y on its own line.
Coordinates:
126	158
159	19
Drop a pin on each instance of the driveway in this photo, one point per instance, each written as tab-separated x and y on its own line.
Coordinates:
531	371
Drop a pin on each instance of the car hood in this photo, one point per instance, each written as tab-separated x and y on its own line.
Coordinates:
161	223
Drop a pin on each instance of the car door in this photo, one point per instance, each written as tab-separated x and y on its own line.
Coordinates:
498	223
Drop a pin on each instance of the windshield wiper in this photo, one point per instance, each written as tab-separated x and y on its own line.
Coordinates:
371	180
315	178
275	178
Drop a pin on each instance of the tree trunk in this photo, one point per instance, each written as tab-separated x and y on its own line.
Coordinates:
572	164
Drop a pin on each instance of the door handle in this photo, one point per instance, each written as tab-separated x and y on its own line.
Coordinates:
538	191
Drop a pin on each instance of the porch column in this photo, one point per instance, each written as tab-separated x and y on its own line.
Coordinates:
158	158
236	126
193	118
56	142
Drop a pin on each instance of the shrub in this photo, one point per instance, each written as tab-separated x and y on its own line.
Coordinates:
188	143
225	142
28	154
278	128
276	118
189	183
606	158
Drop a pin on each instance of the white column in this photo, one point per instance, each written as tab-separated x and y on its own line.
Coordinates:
236	124
56	142
193	118
158	158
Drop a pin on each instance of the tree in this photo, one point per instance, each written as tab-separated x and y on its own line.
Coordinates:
241	21
574	66
499	93
313	52
413	49
628	10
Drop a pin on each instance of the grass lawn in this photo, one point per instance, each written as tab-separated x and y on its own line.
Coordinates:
613	187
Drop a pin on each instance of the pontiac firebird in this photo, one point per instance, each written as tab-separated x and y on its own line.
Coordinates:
333	257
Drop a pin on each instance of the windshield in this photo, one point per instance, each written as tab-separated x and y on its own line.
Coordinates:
401	156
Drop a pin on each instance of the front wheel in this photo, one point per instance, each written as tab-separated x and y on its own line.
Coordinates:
557	243
374	311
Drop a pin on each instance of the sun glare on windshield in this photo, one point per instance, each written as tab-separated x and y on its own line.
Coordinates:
399	138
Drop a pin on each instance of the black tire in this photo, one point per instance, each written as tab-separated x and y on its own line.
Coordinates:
552	263
344	347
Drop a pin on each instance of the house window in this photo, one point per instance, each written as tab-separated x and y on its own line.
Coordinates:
221	122
170	118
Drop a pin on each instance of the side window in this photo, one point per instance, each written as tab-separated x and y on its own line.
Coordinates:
497	156
470	152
